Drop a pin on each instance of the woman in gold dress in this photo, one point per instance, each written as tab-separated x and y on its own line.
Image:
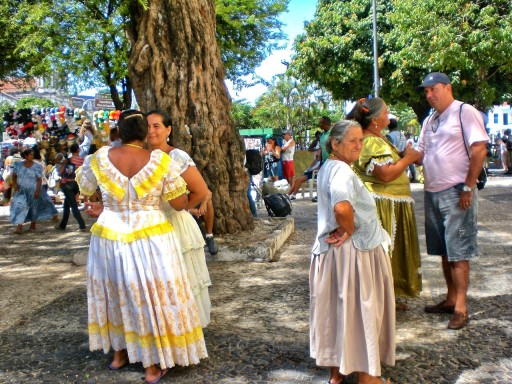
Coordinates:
382	169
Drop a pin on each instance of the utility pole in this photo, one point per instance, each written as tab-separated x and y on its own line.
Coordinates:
376	79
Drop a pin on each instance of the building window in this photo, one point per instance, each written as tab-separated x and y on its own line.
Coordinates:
505	119
496	118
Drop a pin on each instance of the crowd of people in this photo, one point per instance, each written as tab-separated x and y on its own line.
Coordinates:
147	278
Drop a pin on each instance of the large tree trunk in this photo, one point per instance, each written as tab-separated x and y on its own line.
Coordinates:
175	65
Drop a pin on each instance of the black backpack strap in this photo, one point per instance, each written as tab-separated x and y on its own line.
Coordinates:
462	130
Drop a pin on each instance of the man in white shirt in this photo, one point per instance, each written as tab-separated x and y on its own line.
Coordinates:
453	141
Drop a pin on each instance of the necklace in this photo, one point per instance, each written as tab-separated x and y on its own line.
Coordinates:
134	146
375	133
384	138
335	156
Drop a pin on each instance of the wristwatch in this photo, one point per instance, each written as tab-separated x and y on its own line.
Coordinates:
466	188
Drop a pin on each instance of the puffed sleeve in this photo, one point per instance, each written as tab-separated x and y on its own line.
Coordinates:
181	160
16	167
375	152
174	185
38	170
341	186
85	177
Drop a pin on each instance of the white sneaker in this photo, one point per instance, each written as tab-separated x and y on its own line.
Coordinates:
292	197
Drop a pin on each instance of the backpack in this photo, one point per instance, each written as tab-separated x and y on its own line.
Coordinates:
482	177
254	161
278	205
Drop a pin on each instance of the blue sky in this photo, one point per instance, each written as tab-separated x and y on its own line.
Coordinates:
298	12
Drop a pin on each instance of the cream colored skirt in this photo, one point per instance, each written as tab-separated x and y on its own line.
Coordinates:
352	309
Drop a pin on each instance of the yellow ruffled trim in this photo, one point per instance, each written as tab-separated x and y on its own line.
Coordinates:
176	192
83	189
148	184
147	341
111	234
105	182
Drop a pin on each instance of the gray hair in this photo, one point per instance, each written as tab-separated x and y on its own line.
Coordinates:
339	131
365	110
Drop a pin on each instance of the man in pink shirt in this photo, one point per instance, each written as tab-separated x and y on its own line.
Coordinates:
452	160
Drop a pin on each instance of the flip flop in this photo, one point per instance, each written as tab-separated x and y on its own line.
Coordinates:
112	368
162	374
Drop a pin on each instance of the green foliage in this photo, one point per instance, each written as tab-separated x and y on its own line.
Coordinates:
5	106
336	49
247	33
407	120
470	41
34	102
76	42
82	44
467	40
10	63
296	105
242	115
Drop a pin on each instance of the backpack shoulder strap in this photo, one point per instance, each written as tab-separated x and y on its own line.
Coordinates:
462	130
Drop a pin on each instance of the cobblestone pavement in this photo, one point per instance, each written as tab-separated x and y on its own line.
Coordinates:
259	332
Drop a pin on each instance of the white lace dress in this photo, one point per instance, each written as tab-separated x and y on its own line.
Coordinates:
192	244
138	293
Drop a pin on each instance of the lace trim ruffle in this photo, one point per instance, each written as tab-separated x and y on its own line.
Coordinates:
396	199
151	177
111	234
83	178
174	193
374	162
106	182
147	341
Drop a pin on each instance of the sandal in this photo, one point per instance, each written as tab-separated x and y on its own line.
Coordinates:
162	374
338	382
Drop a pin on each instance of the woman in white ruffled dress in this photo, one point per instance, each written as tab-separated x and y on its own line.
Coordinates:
191	238
140	301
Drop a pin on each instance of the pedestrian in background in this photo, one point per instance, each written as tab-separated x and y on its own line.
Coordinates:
69	187
287	152
271	155
30	203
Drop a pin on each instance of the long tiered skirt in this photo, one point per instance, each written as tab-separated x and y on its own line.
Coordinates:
192	247
140	299
352	309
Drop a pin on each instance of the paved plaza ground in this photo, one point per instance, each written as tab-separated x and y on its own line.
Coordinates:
259	329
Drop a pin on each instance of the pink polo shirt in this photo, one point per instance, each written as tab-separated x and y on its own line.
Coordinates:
445	160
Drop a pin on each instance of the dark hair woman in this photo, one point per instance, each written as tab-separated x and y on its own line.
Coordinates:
139	296
187	229
29	203
382	168
271	155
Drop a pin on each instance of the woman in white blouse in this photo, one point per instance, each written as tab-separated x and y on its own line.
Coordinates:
352	304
